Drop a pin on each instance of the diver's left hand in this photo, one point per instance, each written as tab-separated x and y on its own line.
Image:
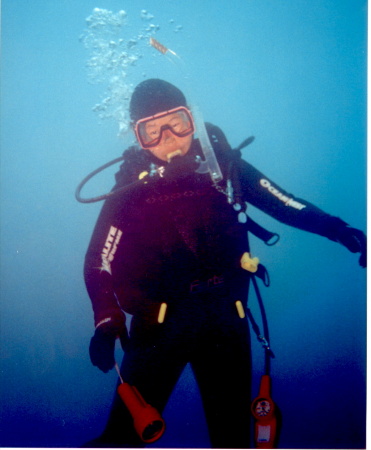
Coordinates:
355	241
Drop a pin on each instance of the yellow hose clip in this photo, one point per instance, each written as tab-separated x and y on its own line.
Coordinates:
240	310
161	313
248	263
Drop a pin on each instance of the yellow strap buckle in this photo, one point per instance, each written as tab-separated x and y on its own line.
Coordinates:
248	263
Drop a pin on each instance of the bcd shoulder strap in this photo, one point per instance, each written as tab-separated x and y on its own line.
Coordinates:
230	158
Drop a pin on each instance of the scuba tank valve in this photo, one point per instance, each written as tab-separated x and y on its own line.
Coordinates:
148	423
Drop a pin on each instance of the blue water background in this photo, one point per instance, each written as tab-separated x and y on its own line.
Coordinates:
290	72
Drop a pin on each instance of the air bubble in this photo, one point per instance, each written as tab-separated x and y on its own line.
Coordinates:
113	53
145	15
131	43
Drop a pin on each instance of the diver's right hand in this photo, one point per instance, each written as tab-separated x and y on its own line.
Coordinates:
102	344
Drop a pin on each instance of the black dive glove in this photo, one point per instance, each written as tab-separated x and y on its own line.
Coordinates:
102	344
355	241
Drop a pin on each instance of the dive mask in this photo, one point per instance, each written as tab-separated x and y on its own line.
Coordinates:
149	130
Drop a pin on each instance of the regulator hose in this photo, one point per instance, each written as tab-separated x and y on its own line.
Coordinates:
109	194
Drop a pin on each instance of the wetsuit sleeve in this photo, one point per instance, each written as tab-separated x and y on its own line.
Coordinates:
263	193
97	269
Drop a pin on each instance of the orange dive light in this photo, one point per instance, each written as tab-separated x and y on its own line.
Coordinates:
263	410
148	422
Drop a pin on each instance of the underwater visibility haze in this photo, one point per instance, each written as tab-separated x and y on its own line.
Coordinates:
291	73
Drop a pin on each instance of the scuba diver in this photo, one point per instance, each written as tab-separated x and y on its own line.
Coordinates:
168	252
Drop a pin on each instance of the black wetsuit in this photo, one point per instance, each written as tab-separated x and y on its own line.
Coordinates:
178	241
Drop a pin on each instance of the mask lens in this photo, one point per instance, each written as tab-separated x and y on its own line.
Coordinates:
149	130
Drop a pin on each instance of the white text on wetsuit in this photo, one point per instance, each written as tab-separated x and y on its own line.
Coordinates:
110	247
286	200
